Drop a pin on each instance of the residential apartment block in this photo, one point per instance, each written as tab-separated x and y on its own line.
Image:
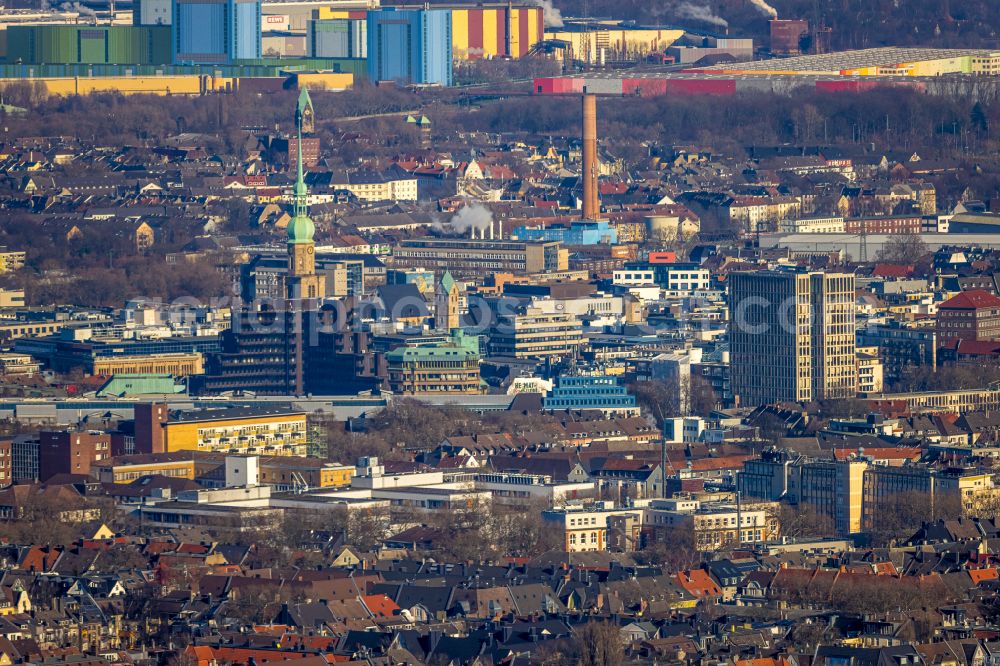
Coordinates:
263	430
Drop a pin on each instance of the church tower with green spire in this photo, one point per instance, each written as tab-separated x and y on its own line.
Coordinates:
302	279
446	314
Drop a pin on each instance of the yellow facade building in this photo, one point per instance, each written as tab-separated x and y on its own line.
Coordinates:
126	469
597	43
11	261
282	472
180	84
180	365
275	434
272	430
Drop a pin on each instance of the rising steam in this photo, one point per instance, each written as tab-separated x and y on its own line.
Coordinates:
765	8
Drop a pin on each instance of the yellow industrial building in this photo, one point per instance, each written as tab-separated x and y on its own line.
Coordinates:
478	31
192	84
599	43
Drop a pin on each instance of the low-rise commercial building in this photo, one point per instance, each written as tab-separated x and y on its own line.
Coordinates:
375	186
18	364
599	393
714	525
449	367
12	298
467	256
179	365
11	260
532	334
585	529
279	472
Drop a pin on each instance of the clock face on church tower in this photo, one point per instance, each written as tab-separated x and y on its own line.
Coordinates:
308	122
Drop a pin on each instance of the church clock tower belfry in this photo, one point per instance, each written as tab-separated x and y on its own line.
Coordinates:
302	279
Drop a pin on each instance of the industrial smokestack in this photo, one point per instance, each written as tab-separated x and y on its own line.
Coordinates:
591	202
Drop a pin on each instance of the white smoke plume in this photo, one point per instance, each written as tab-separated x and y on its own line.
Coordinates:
765	8
550	13
82	10
474	216
700	13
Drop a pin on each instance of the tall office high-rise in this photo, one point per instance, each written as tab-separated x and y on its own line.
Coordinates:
791	336
215	31
410	45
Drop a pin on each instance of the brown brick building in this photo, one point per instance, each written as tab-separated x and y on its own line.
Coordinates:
6	462
70	452
971	315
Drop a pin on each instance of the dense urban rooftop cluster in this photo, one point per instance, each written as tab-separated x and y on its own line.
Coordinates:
606	359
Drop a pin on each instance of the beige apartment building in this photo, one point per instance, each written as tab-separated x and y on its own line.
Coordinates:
792	336
834	489
870	370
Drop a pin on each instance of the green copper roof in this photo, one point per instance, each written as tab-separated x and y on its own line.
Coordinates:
301	228
447	282
305	102
132	385
459	348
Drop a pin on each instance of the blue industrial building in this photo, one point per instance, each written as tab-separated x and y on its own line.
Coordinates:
601	393
215	31
584	232
410	45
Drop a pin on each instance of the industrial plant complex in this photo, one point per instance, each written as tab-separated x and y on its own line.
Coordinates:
203	46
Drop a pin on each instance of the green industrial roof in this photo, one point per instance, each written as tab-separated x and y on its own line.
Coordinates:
131	385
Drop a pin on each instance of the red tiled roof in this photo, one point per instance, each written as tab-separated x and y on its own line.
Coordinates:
977	347
971	300
892	271
381	605
722	462
698	583
980	575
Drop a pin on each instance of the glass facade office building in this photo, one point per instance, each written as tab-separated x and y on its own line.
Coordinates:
216	31
599	393
410	45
